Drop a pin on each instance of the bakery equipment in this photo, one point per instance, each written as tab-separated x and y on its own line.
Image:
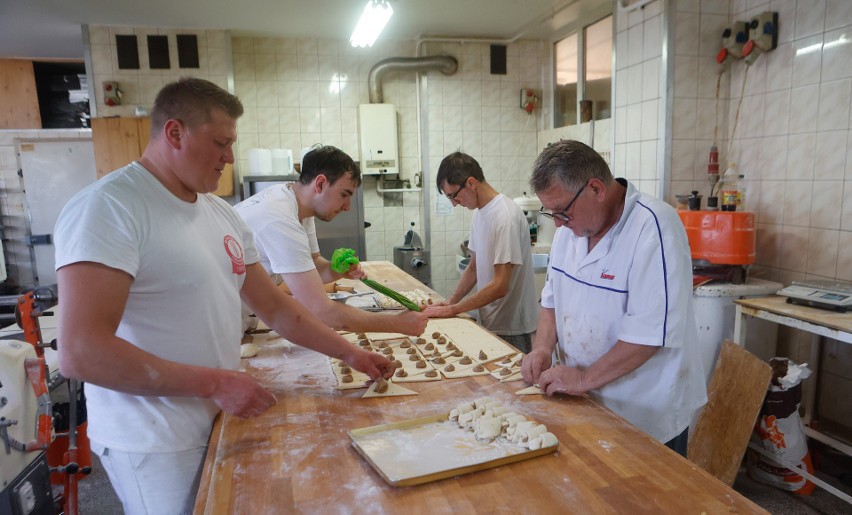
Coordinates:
542	229
722	243
412	258
833	295
31	423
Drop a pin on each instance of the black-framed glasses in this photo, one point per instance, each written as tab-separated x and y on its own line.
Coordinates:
456	194
561	216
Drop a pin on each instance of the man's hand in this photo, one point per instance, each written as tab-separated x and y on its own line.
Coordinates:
536	362
355	272
442	310
239	394
373	364
562	380
412	323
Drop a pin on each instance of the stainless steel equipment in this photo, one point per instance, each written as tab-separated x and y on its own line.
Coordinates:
412	258
347	228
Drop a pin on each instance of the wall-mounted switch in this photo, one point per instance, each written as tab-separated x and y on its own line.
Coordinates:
733	38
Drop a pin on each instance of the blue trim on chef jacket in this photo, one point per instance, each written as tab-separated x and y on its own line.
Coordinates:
665	274
569	276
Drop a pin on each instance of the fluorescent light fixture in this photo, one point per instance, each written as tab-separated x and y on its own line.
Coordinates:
373	20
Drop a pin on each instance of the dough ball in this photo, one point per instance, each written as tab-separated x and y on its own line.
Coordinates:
384	345
431	373
397	363
506	360
449	368
436	335
387	351
505	371
439	360
248	350
488	429
414	357
442	340
458	353
451	346
421	364
345	370
382	386
405	345
411	351
346	378
465	360
363	343
421	341
454	413
401	373
430	346
483	355
478	368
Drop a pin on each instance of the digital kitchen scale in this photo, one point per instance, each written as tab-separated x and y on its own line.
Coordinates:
831	295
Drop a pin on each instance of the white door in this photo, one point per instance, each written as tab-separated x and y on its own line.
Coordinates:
53	171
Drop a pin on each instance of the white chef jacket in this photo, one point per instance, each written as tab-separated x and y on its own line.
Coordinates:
634	286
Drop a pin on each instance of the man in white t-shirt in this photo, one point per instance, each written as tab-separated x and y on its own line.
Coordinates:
500	255
282	219
618	297
152	268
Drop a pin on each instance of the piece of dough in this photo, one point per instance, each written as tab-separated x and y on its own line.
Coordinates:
248	350
542	441
532	390
488	428
393	390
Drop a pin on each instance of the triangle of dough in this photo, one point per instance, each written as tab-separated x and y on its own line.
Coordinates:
532	390
393	390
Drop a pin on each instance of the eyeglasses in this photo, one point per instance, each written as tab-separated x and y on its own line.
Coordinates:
456	194
561	216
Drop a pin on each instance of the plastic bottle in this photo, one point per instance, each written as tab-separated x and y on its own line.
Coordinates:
729	190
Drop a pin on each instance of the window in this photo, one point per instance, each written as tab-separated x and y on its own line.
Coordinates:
583	75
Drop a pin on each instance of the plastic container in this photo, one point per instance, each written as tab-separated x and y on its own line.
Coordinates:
732	190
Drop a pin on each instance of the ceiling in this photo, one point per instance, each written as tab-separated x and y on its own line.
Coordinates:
51	28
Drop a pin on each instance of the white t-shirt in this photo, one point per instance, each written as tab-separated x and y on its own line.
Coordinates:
634	286
188	266
285	245
499	234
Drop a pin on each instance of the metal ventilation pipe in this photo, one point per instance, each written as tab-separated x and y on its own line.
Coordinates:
446	64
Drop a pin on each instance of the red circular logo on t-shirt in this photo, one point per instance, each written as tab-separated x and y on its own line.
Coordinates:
235	252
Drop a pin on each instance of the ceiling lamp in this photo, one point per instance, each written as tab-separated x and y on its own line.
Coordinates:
373	20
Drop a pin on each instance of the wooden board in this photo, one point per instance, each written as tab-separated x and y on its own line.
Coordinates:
18	97
778	304
431	448
725	424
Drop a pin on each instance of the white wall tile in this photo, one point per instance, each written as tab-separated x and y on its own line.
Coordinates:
807	60
834	104
810	18
822	252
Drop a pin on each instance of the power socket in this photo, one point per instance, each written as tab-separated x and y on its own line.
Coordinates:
763	30
733	38
763	35
528	100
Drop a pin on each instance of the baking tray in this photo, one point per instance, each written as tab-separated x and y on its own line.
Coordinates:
426	449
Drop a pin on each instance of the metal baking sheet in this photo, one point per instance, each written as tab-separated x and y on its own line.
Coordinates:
432	448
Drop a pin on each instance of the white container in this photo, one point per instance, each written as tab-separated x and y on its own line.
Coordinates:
282	161
715	312
260	161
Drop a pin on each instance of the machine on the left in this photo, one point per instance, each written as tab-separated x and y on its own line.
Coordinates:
42	441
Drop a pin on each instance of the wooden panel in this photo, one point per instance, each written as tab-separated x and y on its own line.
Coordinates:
735	395
296	457
116	142
18	96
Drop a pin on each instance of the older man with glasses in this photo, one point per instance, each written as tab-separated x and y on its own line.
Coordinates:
617	305
501	260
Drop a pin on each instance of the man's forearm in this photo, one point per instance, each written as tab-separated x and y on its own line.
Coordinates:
545	333
619	361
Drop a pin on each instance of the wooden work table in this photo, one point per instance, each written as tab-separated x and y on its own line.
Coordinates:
297	457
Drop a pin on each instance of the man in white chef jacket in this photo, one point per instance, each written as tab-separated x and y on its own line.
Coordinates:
617	304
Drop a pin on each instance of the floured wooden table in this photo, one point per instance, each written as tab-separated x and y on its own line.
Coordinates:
298	457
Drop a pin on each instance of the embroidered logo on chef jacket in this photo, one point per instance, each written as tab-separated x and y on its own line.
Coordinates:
605	275
235	252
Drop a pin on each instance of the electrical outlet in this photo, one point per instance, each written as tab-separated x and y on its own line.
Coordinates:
763	30
733	38
112	93
528	100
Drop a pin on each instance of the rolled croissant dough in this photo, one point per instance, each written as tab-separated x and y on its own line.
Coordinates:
248	350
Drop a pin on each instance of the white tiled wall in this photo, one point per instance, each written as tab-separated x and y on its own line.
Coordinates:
141	86
298	92
639	87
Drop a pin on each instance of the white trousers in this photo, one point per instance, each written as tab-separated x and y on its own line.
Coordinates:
154	483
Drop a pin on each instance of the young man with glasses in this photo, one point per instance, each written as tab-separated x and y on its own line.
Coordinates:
501	259
617	305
